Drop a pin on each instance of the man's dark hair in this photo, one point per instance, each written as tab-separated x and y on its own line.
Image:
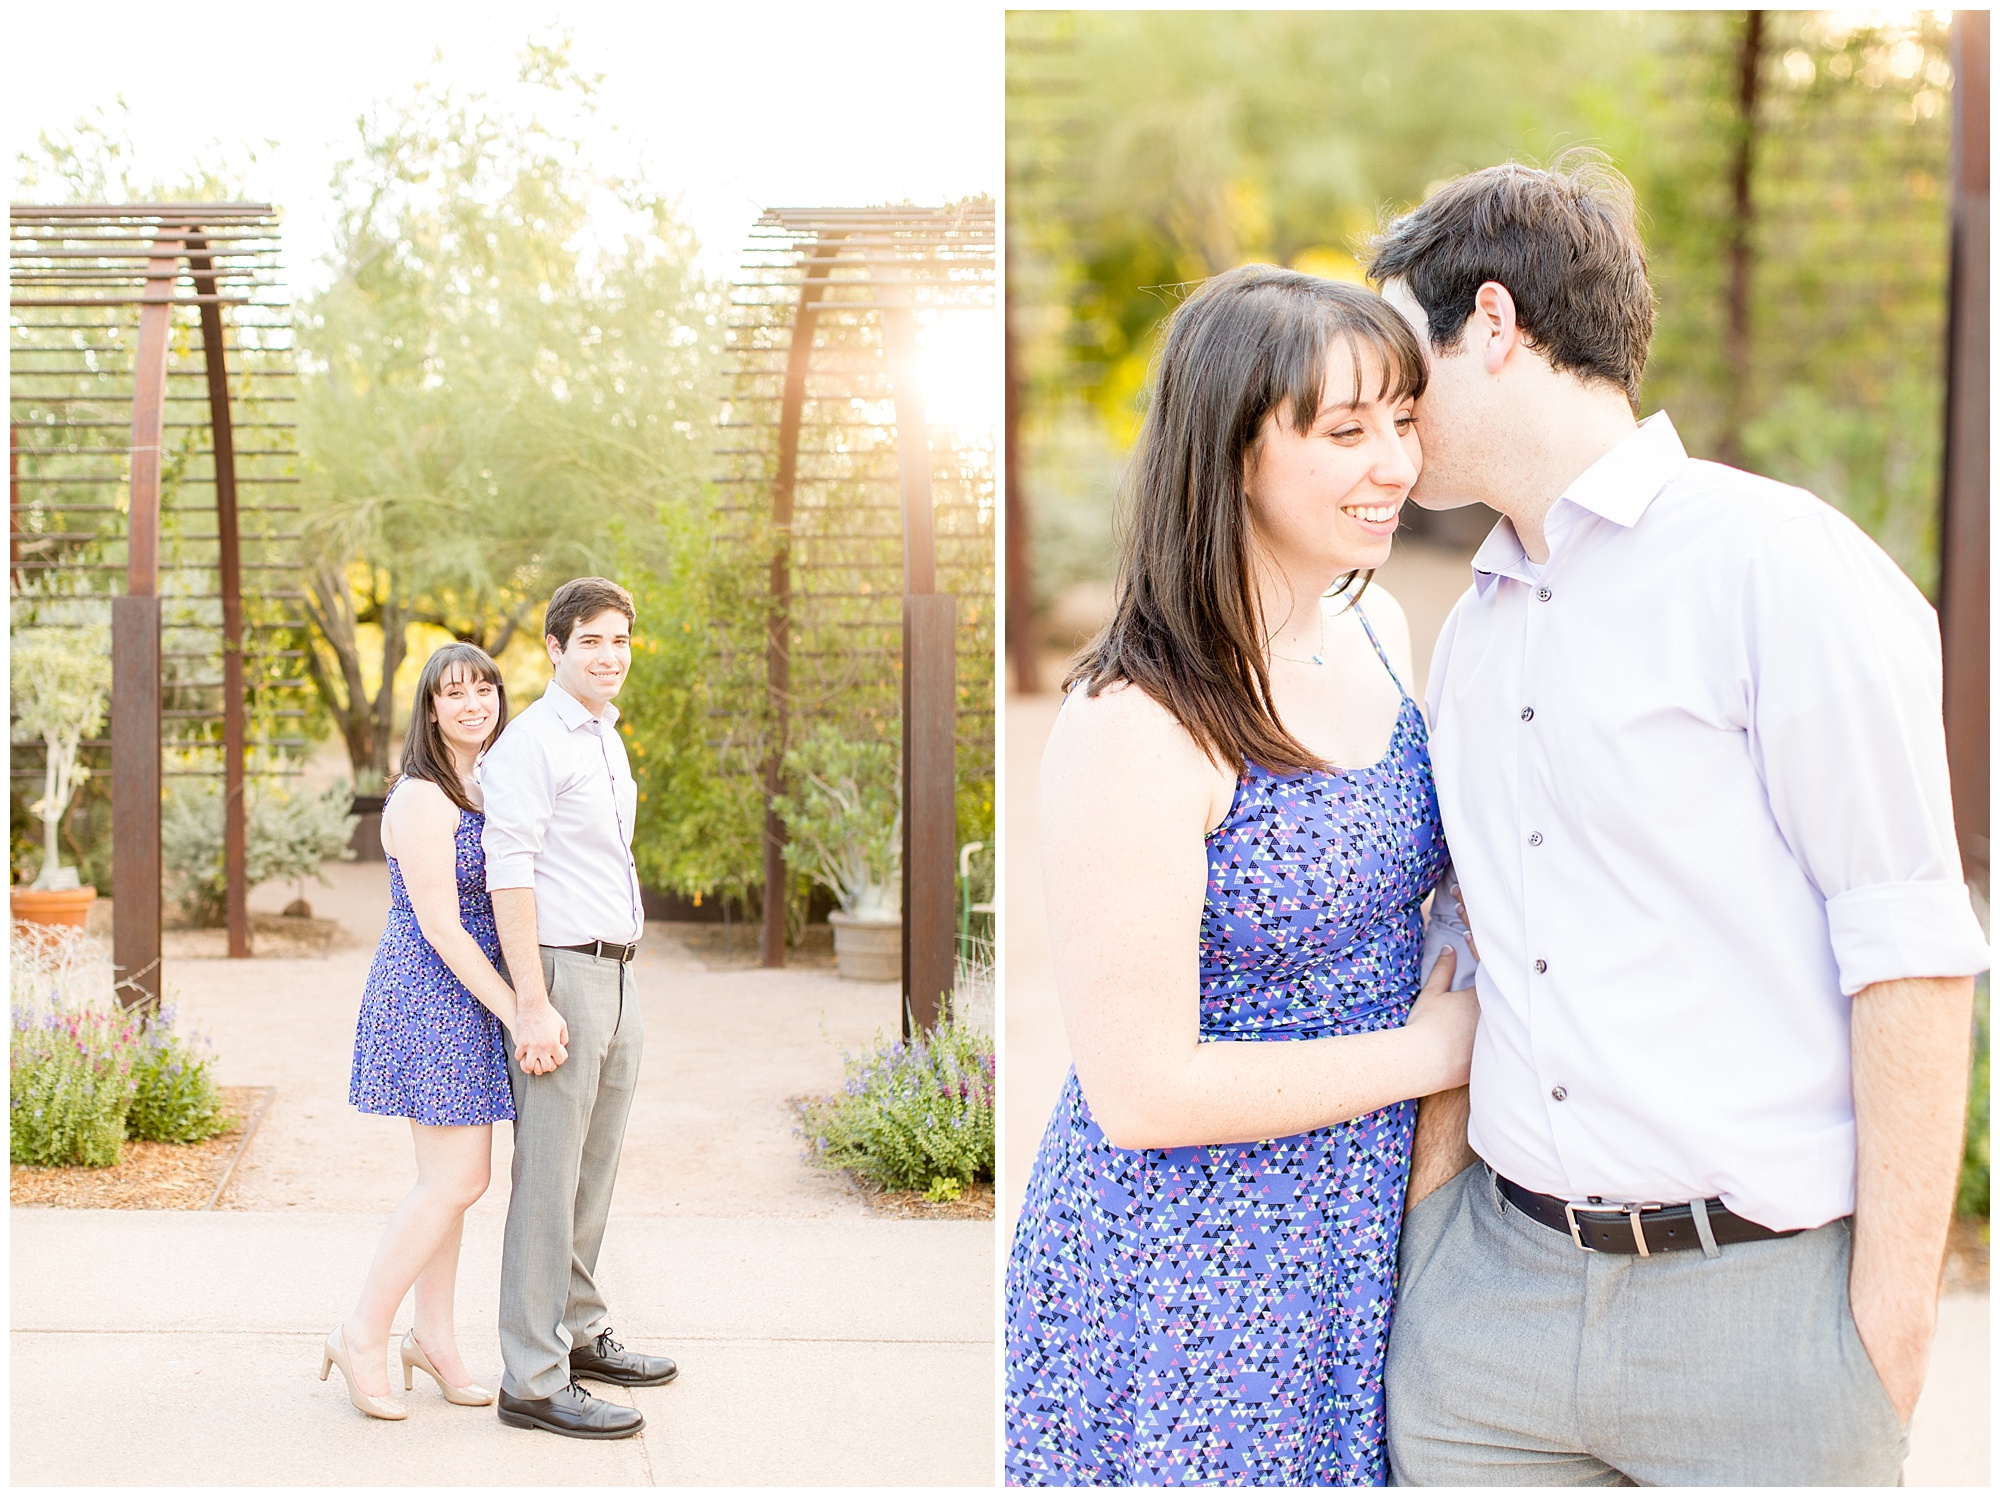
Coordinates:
581	599
1563	240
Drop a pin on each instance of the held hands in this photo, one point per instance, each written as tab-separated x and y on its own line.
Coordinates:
1446	1021
541	1037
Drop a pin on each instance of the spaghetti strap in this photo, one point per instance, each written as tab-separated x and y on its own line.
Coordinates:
1381	653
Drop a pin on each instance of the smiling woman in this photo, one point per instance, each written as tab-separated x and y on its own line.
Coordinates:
428	1044
1236	920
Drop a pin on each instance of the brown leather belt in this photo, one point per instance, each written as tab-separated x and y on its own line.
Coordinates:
1644	1228
609	951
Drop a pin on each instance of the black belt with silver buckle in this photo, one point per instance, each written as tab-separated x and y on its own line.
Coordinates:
1641	1227
609	951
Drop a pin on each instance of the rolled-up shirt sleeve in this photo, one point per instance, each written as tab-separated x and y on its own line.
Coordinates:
1844	692
519	805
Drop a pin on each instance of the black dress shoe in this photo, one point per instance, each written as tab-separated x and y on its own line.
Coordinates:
571	1412
607	1361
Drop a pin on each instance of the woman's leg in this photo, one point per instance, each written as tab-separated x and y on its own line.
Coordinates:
435	1323
453	1165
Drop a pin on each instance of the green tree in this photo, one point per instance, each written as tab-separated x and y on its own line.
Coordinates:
1149	150
507	383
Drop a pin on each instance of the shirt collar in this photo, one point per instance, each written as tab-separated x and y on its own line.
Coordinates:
572	713
1618	487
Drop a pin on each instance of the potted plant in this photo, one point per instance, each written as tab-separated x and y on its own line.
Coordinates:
844	823
60	685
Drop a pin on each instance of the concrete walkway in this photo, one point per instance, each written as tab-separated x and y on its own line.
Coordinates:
818	1344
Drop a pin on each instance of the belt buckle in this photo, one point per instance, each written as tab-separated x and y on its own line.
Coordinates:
1576	1232
1631	1210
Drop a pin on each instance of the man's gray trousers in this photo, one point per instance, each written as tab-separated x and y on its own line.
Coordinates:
1517	1359
569	1128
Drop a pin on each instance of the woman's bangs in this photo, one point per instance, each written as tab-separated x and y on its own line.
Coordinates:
1398	359
465	669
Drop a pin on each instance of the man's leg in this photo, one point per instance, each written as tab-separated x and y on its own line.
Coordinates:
1483	1350
618	1078
1741	1370
552	1119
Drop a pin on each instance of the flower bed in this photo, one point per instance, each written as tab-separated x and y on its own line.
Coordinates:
85	1074
148	1176
914	1117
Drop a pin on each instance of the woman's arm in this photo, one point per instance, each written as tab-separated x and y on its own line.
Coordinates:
1125	802
424	830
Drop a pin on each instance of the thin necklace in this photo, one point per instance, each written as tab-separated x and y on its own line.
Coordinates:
1319	655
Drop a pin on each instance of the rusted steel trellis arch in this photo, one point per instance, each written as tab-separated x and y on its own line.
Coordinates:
111	306
876	521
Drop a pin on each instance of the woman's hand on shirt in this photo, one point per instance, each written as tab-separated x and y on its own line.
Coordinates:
1446	1022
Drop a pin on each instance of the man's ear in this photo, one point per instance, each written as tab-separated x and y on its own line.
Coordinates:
554	647
1494	320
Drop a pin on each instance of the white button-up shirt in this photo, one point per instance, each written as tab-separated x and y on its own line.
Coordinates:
1692	773
560	803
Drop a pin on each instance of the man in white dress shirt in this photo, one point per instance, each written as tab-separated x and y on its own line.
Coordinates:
560	803
1690	756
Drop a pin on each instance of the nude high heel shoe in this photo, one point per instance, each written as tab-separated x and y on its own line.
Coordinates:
335	1355
414	1357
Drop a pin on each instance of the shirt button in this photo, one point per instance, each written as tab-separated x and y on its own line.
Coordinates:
1527	714
1541	966
1534	839
1544	594
1558	1093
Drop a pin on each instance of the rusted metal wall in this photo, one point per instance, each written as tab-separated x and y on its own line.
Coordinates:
114	308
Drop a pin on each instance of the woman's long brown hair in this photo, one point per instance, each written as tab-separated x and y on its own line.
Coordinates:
426	756
1188	630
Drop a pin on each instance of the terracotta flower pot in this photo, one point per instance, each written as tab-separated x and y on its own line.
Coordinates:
51	906
868	950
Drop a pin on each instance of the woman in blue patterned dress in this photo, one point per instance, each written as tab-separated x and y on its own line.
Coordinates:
429	1042
1201	1280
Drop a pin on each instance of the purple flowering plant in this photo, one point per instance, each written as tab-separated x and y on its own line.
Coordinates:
911	1115
84	1074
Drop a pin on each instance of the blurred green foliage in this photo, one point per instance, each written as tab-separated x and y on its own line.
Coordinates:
1148	150
1975	1171
701	809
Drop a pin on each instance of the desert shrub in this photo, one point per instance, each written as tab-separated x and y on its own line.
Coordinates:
174	1096
286	836
913	1115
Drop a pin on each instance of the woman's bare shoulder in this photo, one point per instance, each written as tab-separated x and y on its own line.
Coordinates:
1117	715
1123	742
420	807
